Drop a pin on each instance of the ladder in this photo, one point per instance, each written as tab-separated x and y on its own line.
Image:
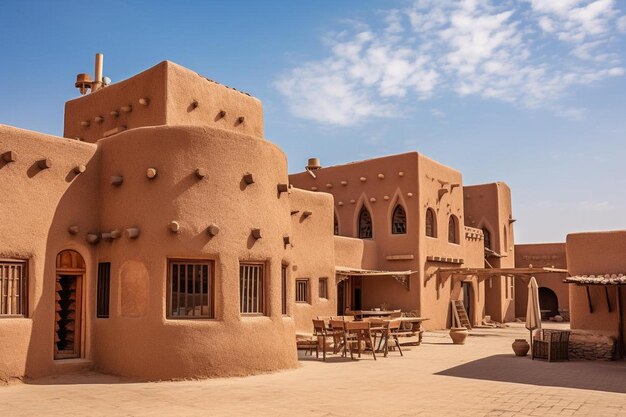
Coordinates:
459	315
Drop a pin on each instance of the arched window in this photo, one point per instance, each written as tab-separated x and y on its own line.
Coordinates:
431	223
365	224
335	225
453	235
398	221
487	238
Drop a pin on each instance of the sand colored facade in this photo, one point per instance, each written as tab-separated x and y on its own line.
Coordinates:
597	308
488	208
553	292
438	234
162	236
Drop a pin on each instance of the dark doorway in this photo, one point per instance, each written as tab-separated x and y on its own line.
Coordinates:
356	293
68	292
341	297
467	298
548	303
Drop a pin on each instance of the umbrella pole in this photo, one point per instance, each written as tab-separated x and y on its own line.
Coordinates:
531	343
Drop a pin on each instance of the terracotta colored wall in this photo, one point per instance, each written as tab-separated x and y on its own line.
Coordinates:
489	205
541	255
192	348
596	253
171	90
313	256
37	208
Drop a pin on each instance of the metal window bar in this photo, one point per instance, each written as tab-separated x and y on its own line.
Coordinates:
190	290
103	289
13	288
398	221
251	289
302	290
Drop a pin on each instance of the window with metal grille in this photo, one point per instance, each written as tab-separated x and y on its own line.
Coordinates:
323	288
190	289
431	223
13	287
453	234
103	290
365	224
398	222
251	288
302	290
283	289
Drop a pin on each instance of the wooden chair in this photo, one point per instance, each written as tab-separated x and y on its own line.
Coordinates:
338	331
321	333
553	345
357	332
393	329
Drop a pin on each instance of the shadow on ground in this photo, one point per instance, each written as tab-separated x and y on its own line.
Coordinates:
588	375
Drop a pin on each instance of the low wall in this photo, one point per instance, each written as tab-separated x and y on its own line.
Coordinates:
591	346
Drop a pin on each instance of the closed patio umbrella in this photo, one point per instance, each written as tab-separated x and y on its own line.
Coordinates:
533	314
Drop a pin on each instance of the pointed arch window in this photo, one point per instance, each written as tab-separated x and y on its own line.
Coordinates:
398	221
335	225
453	234
487	238
365	224
431	223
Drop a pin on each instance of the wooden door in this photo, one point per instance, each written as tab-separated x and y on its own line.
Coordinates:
68	293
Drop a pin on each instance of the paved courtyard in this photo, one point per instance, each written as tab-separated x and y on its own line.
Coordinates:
481	377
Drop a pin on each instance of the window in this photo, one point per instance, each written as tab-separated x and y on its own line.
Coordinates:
487	238
13	288
103	290
453	236
398	222
505	246
251	288
190	291
365	224
335	225
431	223
302	290
323	288
283	289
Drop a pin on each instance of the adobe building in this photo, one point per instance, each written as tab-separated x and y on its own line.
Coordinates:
158	238
597	293
161	238
553	292
409	213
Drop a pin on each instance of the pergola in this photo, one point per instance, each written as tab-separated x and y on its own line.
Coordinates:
484	273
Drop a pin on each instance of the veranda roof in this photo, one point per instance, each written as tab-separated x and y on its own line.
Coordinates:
492	272
401	276
606	279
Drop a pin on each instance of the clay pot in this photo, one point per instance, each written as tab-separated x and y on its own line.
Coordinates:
521	347
458	335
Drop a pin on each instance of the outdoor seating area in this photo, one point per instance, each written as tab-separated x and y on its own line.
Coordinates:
364	332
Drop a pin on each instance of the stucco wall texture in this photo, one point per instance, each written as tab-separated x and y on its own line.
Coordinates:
138	146
597	253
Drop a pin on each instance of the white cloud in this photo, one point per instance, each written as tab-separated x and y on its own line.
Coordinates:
486	48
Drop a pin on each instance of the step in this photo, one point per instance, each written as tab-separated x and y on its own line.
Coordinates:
71	366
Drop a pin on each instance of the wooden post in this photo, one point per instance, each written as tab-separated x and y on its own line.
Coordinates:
620	323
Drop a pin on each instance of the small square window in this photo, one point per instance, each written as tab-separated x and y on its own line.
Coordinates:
251	288
13	287
302	290
190	291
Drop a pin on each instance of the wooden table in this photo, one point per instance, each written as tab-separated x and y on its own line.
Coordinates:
417	327
377	313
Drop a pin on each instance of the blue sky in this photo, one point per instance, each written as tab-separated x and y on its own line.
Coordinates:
529	92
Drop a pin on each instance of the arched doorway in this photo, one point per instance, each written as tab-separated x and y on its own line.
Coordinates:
548	303
68	292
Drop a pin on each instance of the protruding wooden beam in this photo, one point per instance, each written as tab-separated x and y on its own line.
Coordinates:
200	173
286	240
144	101
151	173
213	230
248	178
93	238
256	233
117	180
307	213
282	188
174	226
133	232
115	234
127	109
9	156
73	229
44	163
79	169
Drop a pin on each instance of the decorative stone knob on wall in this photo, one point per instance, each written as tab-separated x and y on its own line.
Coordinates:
213	229
44	163
200	173
117	180
174	226
132	232
73	229
93	238
151	173
79	169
